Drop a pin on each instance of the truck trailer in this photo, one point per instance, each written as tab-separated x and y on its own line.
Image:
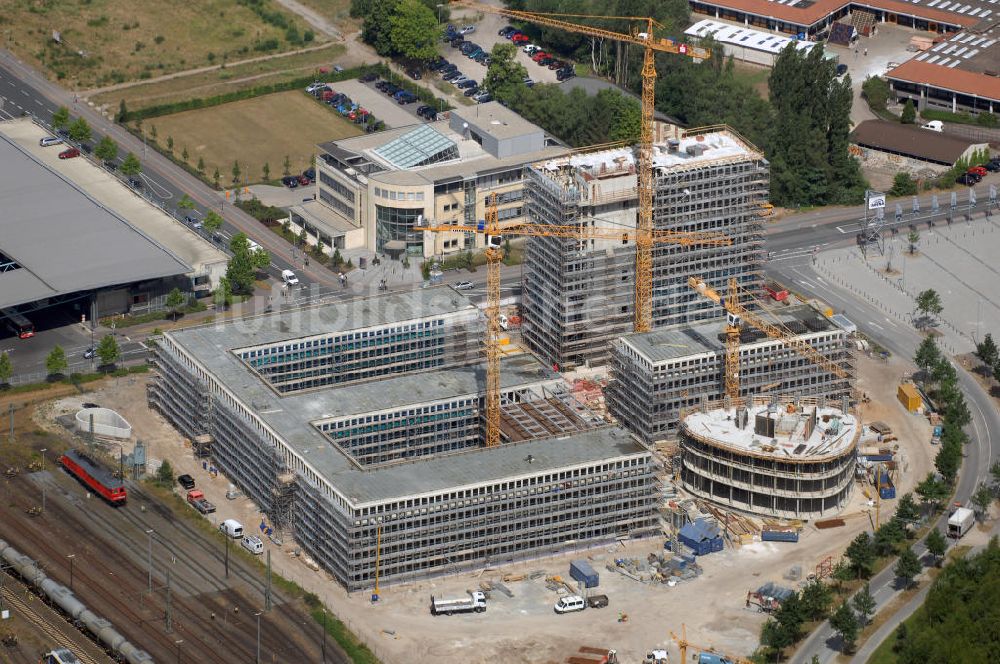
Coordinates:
476	601
960	522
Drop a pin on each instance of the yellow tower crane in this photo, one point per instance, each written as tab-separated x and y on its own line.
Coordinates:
684	644
736	315
650	44
494	256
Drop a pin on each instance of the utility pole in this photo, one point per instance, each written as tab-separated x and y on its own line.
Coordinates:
11	411
227	555
258	614
71	557
169	614
149	559
267	591
324	635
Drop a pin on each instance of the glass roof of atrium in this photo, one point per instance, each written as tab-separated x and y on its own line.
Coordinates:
419	147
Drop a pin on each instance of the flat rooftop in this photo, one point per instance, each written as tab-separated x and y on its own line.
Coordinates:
59	236
757	40
677	341
291	417
807	13
797	435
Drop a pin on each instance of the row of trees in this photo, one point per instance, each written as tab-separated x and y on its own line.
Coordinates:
941	380
56	362
107	150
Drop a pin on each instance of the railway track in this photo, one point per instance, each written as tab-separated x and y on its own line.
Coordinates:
53	626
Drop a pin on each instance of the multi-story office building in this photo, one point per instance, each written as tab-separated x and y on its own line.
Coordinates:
655	375
373	189
388	462
579	294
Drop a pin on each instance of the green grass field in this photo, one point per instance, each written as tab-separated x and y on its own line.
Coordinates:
110	41
253	132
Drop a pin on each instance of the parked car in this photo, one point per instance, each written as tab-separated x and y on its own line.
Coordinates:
49	141
841	69
968	179
482	99
467	29
89	353
310	173
414	74
454	76
531	49
558	64
539	55
69	153
565	74
528	82
520	38
992	166
312	87
407	98
368	78
570	603
135	183
290	181
506	30
978	170
468	83
304	181
464	285
472	91
186	481
456	42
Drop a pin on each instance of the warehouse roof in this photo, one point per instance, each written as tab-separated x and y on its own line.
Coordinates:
58	239
677	341
809	12
911	141
952	76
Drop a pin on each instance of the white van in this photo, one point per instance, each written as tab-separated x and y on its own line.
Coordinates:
232	528
570	603
289	278
253	544
934	125
49	140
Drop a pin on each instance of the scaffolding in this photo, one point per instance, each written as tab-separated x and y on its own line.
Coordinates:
578	296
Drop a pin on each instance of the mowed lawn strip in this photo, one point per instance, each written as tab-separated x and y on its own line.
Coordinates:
253	132
121	40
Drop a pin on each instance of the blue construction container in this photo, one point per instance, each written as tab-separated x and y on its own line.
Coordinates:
582	571
779	536
877	457
701	537
887	490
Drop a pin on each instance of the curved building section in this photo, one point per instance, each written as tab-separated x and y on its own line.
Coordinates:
787	460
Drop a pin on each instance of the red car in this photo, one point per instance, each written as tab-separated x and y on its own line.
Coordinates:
978	170
520	39
73	152
303	180
538	56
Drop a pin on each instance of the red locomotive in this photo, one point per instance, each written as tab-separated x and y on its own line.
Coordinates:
94	476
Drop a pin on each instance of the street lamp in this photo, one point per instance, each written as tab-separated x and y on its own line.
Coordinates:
71	557
439	6
258	614
178	644
43	451
150	558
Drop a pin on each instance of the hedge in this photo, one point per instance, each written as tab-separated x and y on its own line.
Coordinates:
981	120
247	93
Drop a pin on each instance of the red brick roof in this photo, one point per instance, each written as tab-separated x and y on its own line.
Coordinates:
948	78
823	8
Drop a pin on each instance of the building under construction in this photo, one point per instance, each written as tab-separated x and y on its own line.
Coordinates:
366	445
655	375
578	295
786	459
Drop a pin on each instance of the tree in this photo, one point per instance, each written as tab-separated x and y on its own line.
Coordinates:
790	616
903	185
625	115
165	474
260	259
170	144
201	165
936	544
223	294
816	598
122	116
860	555
907	567
987	351
131	166
887	536
186	203
928	354
287	166
108	351
414	31
106	150
906	510
775	637
212	221
913	237
153	133
236	172
266	171
174	301
846	624
929	302
56	362
241	270
864	603
184	155
947	462
6	368
377	27
60	119
983	498
909	114
79	131
215	176
505	75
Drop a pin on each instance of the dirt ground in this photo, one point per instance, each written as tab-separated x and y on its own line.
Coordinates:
524	628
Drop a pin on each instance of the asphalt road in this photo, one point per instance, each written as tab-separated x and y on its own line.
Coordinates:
22	90
903	341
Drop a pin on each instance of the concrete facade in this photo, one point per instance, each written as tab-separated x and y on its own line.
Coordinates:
578	294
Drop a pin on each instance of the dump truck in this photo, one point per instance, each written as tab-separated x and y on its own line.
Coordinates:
476	601
960	522
198	501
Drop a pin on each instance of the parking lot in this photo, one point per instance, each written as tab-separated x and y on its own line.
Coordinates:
382	106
